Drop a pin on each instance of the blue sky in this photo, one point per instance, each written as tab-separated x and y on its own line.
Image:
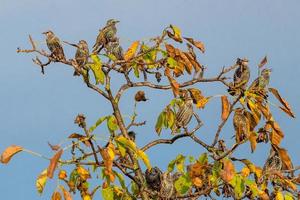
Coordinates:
36	109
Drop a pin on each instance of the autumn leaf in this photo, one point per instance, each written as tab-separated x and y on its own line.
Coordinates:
174	84
276	134
253	142
62	174
41	181
160	122
176	35
245	172
228	172
53	163
145	158
140	96
108	158
96	67
171	50
131	51
54	147
286	107
9	152
225	107
263	62
83	173
198	98
56	196
198	44
287	162
66	194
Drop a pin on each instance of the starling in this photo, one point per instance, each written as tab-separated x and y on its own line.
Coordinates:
273	162
132	135
115	49
241	125
81	55
167	185
153	178
262	81
185	113
54	46
240	78
106	35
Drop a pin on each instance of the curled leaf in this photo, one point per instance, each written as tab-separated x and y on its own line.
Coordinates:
263	62
225	107
9	152
286	107
66	193
41	181
198	44
53	163
176	35
131	51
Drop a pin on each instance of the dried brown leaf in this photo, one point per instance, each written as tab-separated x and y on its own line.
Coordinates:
67	195
287	108
263	62
53	163
225	107
9	152
198	44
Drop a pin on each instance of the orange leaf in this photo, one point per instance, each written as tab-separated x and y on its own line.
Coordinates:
62	174
225	107
56	196
245	172
263	62
9	152
276	135
53	163
287	162
253	143
197	44
174	84
228	171
171	50
131	51
197	182
285	104
67	195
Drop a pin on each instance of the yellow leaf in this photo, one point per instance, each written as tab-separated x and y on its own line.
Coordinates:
245	172
279	196
87	197
41	181
83	173
131	51
126	142
9	152
176	35
225	107
145	158
202	102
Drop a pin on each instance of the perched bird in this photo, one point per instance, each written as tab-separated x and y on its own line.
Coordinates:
260	83
240	78
115	49
167	189
106	35
273	161
185	113
54	46
241	125
153	178
132	135
81	55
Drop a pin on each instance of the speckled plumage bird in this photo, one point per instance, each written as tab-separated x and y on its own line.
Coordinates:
167	189
153	178
106	35
262	81
273	161
115	49
241	125
54	46
81	55
240	78
185	113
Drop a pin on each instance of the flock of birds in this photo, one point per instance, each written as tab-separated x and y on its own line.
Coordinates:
107	39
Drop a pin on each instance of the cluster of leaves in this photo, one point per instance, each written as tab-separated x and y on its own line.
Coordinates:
214	173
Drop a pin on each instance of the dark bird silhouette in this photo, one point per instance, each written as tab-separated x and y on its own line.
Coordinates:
54	46
106	35
240	78
153	178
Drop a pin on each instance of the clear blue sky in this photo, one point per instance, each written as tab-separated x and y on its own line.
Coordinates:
36	109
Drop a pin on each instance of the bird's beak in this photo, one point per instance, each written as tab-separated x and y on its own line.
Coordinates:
44	33
117	21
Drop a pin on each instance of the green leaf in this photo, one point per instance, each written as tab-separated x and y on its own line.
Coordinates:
127	143
108	193
41	181
238	185
253	187
191	159
121	148
160	122
121	179
203	158
288	196
98	122
183	184
136	70
179	162
170	118
112	123
134	188
96	67
172	62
